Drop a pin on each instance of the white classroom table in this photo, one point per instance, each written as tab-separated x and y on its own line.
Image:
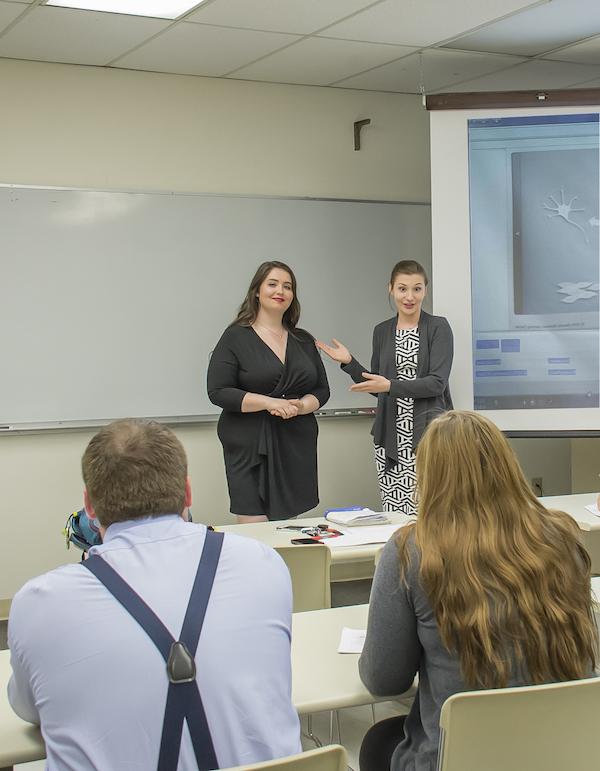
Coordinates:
268	533
322	679
348	562
589	523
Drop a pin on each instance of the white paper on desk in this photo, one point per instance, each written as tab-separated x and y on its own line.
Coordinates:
596	588
354	518
352	640
593	508
363	536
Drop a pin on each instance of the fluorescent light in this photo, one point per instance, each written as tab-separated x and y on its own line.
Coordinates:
161	9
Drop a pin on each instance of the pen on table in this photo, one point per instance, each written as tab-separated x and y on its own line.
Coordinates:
295	528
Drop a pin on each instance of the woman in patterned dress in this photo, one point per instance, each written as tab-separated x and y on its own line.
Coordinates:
410	367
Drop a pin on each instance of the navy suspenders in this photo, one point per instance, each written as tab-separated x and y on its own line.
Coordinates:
183	697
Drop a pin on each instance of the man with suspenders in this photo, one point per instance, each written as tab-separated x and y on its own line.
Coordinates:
169	647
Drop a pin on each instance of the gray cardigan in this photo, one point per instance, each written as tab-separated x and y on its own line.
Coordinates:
403	640
429	389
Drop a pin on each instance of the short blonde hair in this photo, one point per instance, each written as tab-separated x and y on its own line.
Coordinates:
134	468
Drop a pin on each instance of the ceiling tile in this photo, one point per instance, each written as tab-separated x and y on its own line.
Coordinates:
73	36
422	22
586	52
536	30
437	67
9	12
588	84
198	49
319	61
277	15
538	74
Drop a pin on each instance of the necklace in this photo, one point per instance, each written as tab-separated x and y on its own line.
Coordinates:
278	335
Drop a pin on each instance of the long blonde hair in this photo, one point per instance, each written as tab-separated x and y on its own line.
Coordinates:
507	579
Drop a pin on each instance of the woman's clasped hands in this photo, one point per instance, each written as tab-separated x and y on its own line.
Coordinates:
284	408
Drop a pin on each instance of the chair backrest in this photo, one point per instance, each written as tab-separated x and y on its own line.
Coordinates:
533	728
330	758
309	567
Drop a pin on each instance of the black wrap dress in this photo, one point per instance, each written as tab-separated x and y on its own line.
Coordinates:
271	463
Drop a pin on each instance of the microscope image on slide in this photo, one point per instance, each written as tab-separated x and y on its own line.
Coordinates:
535	261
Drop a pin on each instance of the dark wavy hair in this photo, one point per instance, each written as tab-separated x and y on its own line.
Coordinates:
248	311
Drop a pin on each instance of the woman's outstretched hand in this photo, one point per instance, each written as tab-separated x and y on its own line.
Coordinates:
337	351
372	384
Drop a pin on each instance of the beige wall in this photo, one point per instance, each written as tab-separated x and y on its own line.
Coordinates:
549	459
585	465
89	127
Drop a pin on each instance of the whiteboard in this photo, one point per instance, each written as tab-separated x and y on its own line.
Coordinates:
113	301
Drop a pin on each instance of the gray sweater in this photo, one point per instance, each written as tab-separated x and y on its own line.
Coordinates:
402	641
429	389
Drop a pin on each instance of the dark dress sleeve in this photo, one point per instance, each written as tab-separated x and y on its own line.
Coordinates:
441	352
223	373
392	650
321	389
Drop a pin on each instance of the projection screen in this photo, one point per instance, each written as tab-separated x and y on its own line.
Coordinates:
515	256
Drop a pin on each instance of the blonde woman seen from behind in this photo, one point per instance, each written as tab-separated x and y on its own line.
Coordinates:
488	589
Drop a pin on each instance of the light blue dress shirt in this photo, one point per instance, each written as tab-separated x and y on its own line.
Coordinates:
85	670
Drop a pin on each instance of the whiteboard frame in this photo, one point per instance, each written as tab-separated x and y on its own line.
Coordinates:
19	428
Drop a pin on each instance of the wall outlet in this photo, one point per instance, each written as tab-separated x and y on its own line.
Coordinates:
537	486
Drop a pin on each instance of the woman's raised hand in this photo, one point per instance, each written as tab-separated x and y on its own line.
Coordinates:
337	351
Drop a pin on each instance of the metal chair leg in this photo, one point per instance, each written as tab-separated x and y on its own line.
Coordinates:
337	723
309	732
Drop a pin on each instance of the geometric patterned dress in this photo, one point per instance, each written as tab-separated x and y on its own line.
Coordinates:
397	485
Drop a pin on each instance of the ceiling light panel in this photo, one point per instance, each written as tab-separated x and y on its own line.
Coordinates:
159	9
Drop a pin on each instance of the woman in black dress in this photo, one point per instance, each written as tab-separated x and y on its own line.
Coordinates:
268	377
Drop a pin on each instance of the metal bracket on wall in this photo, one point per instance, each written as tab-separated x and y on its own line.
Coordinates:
357	127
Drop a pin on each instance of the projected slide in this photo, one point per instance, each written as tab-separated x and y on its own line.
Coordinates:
534	214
